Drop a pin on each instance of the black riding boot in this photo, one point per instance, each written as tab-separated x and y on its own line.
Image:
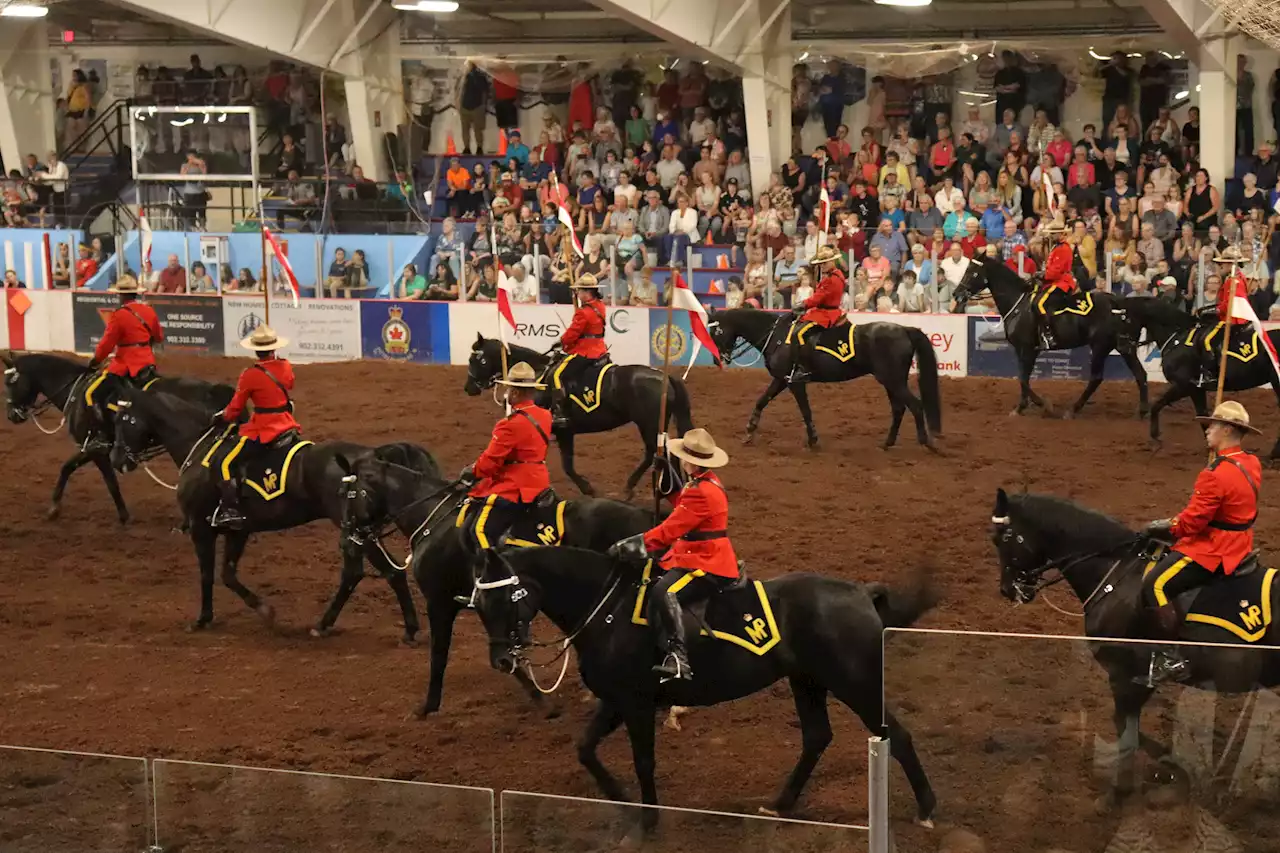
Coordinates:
559	409
100	437
228	516
1167	663
1047	340
800	372
676	663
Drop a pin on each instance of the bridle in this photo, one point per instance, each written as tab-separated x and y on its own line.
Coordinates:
360	535
34	411
741	345
1029	581
519	628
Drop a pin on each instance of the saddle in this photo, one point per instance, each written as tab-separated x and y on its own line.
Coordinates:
1206	338
542	524
1240	603
739	613
587	388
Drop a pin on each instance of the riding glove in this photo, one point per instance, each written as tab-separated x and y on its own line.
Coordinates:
468	475
631	548
1161	528
217	419
798	310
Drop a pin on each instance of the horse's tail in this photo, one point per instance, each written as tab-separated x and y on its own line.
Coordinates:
900	606
680	408
930	393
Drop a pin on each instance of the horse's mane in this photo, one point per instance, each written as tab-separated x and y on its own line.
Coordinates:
404	454
48	359
1065	520
513	349
168	406
1160	310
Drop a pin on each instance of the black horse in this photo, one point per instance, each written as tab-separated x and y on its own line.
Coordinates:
628	394
38	381
383	494
1101	327
1183	359
315	492
884	350
1040	539
826	637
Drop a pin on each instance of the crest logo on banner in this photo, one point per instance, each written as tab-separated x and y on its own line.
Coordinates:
396	334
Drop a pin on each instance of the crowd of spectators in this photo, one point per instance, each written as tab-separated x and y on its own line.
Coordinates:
913	198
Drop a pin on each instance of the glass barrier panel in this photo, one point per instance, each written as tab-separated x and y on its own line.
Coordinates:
216	808
1019	737
72	802
542	823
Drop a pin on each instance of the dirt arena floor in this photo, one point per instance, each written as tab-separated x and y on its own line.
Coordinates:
96	658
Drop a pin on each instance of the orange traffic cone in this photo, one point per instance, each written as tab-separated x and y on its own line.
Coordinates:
709	241
722	262
450	148
502	143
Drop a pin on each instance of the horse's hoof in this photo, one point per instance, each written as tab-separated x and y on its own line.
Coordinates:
749	438
1143	414
924	822
1068	415
319	633
198	625
422	712
267	613
1154	445
52	512
552	713
1049	412
811	444
1016	413
124	520
887	445
410	640
769	812
932	447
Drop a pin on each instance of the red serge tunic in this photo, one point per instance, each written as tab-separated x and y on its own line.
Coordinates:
513	466
131	331
585	335
824	305
695	532
1216	528
266	384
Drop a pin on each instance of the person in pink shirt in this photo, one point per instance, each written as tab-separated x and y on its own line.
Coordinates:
942	155
1059	149
1081	172
877	267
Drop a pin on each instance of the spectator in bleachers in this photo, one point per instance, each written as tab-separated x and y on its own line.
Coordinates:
484	286
226	278
911	296
707	201
919	265
11	280
173	278
1202	202
655	219
79	102
1148	246
244	282
524	287
302	201
200	281
86	266
669	168
1251	198
1085	255
358	272
337	275
682	230
194	196
1164	223
443	285
411	285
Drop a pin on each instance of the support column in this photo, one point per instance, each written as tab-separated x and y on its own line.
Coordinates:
1217	102
26	91
767	102
375	105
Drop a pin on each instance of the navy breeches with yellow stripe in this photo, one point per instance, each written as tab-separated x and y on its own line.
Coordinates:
1173	575
233	456
689	587
484	520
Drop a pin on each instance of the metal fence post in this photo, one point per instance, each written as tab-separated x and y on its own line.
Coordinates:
613	275
878	795
768	280
1201	264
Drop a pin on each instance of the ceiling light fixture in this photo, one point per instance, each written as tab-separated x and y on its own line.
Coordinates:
23	10
904	2
429	6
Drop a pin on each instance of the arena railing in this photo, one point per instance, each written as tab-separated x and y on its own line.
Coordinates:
61	800
1017	735
543	823
230	808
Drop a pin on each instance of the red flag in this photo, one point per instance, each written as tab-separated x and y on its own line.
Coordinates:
1241	308
504	285
823	215
284	265
682	298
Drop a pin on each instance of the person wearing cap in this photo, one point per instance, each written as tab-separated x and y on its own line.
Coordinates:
511	472
821	309
1210	317
516	149
132	330
697	557
1213	535
1057	276
266	383
582	344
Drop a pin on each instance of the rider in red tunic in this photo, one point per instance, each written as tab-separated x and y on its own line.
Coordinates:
698	559
266	384
512	470
1208	334
1057	277
131	332
821	309
582	344
1213	534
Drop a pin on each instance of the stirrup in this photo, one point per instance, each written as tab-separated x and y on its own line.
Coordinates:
1164	665
96	443
227	518
798	376
673	668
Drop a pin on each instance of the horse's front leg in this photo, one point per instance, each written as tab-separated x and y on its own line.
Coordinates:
801	393
564	440
776	387
1027	365
1097	367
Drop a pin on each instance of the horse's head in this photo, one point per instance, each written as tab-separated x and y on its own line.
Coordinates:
364	507
484	367
1022	562
972	283
133	432
722	332
507	606
20	391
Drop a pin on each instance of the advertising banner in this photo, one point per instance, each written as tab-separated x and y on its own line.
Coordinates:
405	331
539	326
996	358
89	315
318	329
192	324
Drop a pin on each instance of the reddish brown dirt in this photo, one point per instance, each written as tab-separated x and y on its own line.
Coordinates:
92	618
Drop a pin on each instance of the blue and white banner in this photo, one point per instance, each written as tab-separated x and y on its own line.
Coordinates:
540	326
405	331
317	329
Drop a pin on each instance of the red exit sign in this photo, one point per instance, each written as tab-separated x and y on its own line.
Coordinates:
68	36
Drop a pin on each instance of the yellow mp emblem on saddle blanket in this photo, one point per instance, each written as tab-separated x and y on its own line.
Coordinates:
1244	610
541	532
759	633
1244	348
590	399
270	484
842	350
1082	307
